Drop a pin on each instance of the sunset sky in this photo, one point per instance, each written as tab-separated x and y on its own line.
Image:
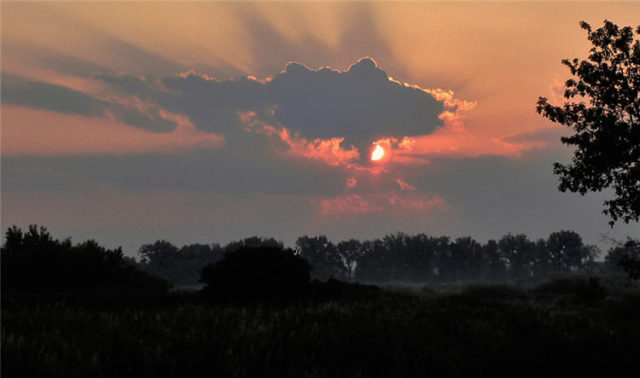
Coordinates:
213	121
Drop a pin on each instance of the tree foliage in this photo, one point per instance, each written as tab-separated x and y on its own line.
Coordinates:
603	109
625	257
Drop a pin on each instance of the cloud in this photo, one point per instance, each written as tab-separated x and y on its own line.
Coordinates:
359	105
40	95
404	185
28	131
321	114
454	140
58	98
547	136
329	150
326	114
389	202
212	104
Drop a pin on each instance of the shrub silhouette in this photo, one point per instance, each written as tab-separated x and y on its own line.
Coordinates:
266	272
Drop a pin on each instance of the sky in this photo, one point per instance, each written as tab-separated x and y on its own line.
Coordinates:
130	122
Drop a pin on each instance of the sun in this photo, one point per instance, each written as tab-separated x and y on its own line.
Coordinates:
378	153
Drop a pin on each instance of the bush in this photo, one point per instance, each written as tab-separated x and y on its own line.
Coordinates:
34	262
494	292
266	272
587	289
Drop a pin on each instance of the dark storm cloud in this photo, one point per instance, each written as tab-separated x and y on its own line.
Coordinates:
361	104
40	95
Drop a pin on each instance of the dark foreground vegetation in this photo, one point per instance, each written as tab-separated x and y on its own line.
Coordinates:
571	327
260	314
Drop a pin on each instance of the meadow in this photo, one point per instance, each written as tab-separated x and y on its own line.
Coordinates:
573	326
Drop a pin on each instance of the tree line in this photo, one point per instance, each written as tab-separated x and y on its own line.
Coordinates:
34	261
409	258
182	266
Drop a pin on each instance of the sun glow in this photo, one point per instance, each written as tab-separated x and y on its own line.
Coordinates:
378	153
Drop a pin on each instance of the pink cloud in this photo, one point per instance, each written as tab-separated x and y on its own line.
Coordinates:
27	131
404	185
350	204
454	139
359	204
328	150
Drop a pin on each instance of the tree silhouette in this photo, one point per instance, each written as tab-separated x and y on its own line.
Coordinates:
467	258
568	253
266	272
374	264
180	266
350	251
603	108
397	257
323	256
252	242
519	254
493	265
422	252
400	258
544	264
625	257
161	253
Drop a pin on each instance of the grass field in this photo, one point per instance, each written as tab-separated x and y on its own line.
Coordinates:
567	327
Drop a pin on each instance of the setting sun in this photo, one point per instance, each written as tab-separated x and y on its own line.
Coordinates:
378	153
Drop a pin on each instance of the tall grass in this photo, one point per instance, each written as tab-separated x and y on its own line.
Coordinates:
479	331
